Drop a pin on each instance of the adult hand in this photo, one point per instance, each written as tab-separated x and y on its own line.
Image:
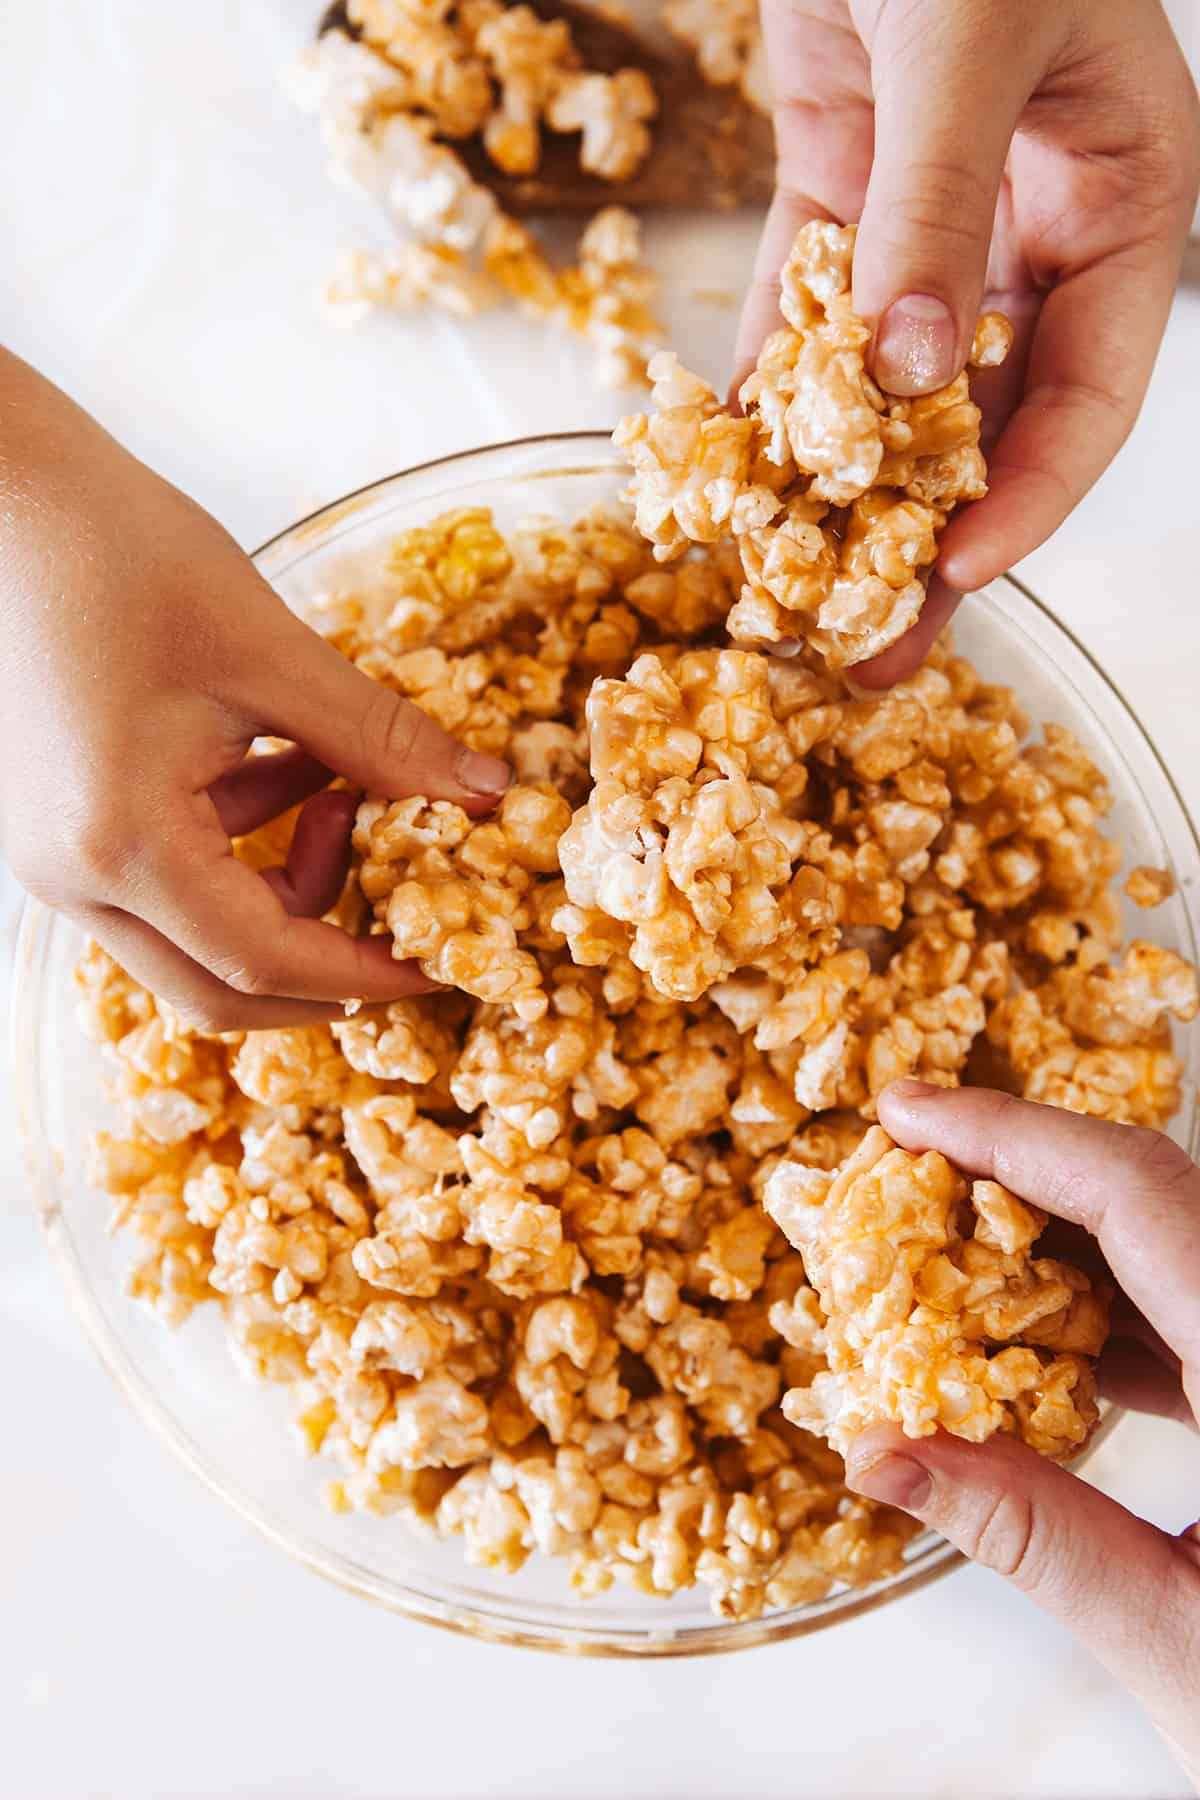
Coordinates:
1037	156
1130	1591
143	655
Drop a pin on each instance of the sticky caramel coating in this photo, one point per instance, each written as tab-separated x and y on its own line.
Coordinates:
834	493
505	1244
934	1309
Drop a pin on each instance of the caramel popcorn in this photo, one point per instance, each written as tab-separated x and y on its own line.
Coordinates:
934	1311
834	492
505	1243
611	113
726	36
1148	886
454	893
395	101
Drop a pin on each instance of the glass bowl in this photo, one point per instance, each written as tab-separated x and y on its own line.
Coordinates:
234	1434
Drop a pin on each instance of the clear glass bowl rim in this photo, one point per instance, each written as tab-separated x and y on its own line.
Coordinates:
932	1558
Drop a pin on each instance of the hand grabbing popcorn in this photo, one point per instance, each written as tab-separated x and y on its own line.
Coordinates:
1119	1582
935	1313
834	492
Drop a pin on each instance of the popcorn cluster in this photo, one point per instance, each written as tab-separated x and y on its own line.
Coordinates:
726	36
834	492
505	1243
424	75
934	1311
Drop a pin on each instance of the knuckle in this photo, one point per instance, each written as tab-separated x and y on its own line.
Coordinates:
253	983
1006	1538
1159	1161
208	1014
943	203
104	847
391	729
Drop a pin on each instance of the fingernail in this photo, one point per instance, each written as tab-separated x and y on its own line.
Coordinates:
896	1480
912	1089
483	774
915	346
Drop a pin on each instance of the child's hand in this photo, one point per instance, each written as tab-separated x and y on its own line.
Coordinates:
1038	156
142	654
1130	1591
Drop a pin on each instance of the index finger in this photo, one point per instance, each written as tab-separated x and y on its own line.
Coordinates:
1134	1190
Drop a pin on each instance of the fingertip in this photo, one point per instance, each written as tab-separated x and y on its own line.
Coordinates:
883	1464
486	778
902	1099
917	346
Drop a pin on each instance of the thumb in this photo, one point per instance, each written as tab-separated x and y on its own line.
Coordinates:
359	728
1119	1583
950	83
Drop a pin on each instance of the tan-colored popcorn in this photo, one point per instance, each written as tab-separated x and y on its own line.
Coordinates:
1147	886
445	78
726	36
454	893
529	59
420	78
612	113
935	1312
536	1075
692	463
401	1040
506	1248
834	492
681	840
405	279
606	296
1131	1074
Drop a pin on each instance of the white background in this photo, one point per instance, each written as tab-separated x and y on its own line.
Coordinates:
164	223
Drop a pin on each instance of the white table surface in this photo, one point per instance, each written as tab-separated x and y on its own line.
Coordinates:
163	226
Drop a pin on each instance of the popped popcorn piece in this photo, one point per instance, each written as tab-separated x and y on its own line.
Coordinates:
530	59
1147	886
423	74
606	297
935	1313
726	36
834	492
456	893
1096	1039
445	77
405	279
679	842
692	463
612	113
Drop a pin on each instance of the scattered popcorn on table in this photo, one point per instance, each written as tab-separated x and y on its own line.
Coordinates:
934	1311
834	492
506	1243
420	78
727	38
